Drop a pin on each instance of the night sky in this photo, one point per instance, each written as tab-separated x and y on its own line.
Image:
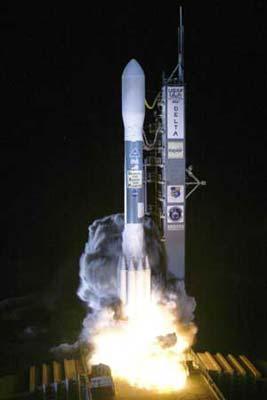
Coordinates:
61	146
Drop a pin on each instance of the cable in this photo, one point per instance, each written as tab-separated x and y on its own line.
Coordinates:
149	146
151	107
154	102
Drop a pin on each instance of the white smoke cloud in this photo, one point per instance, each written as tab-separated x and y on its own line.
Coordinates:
98	270
98	280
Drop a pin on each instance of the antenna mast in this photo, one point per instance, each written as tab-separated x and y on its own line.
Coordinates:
181	48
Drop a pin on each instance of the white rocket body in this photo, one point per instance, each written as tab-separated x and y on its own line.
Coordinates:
133	101
134	271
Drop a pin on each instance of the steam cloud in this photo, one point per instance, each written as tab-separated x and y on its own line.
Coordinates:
98	272
98	282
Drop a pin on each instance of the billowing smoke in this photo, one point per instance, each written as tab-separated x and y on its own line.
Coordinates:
142	346
98	271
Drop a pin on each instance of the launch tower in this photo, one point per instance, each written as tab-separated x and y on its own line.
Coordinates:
165	165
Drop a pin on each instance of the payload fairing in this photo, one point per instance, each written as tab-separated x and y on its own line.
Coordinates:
134	271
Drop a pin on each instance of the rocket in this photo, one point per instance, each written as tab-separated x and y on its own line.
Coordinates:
134	286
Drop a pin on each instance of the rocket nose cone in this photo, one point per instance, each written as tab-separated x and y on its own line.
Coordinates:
133	68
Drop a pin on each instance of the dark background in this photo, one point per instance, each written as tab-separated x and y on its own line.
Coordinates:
61	158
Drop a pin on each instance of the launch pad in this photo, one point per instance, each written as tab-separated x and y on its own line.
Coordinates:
210	377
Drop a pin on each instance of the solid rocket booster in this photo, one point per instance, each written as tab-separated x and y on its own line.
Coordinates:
134	283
